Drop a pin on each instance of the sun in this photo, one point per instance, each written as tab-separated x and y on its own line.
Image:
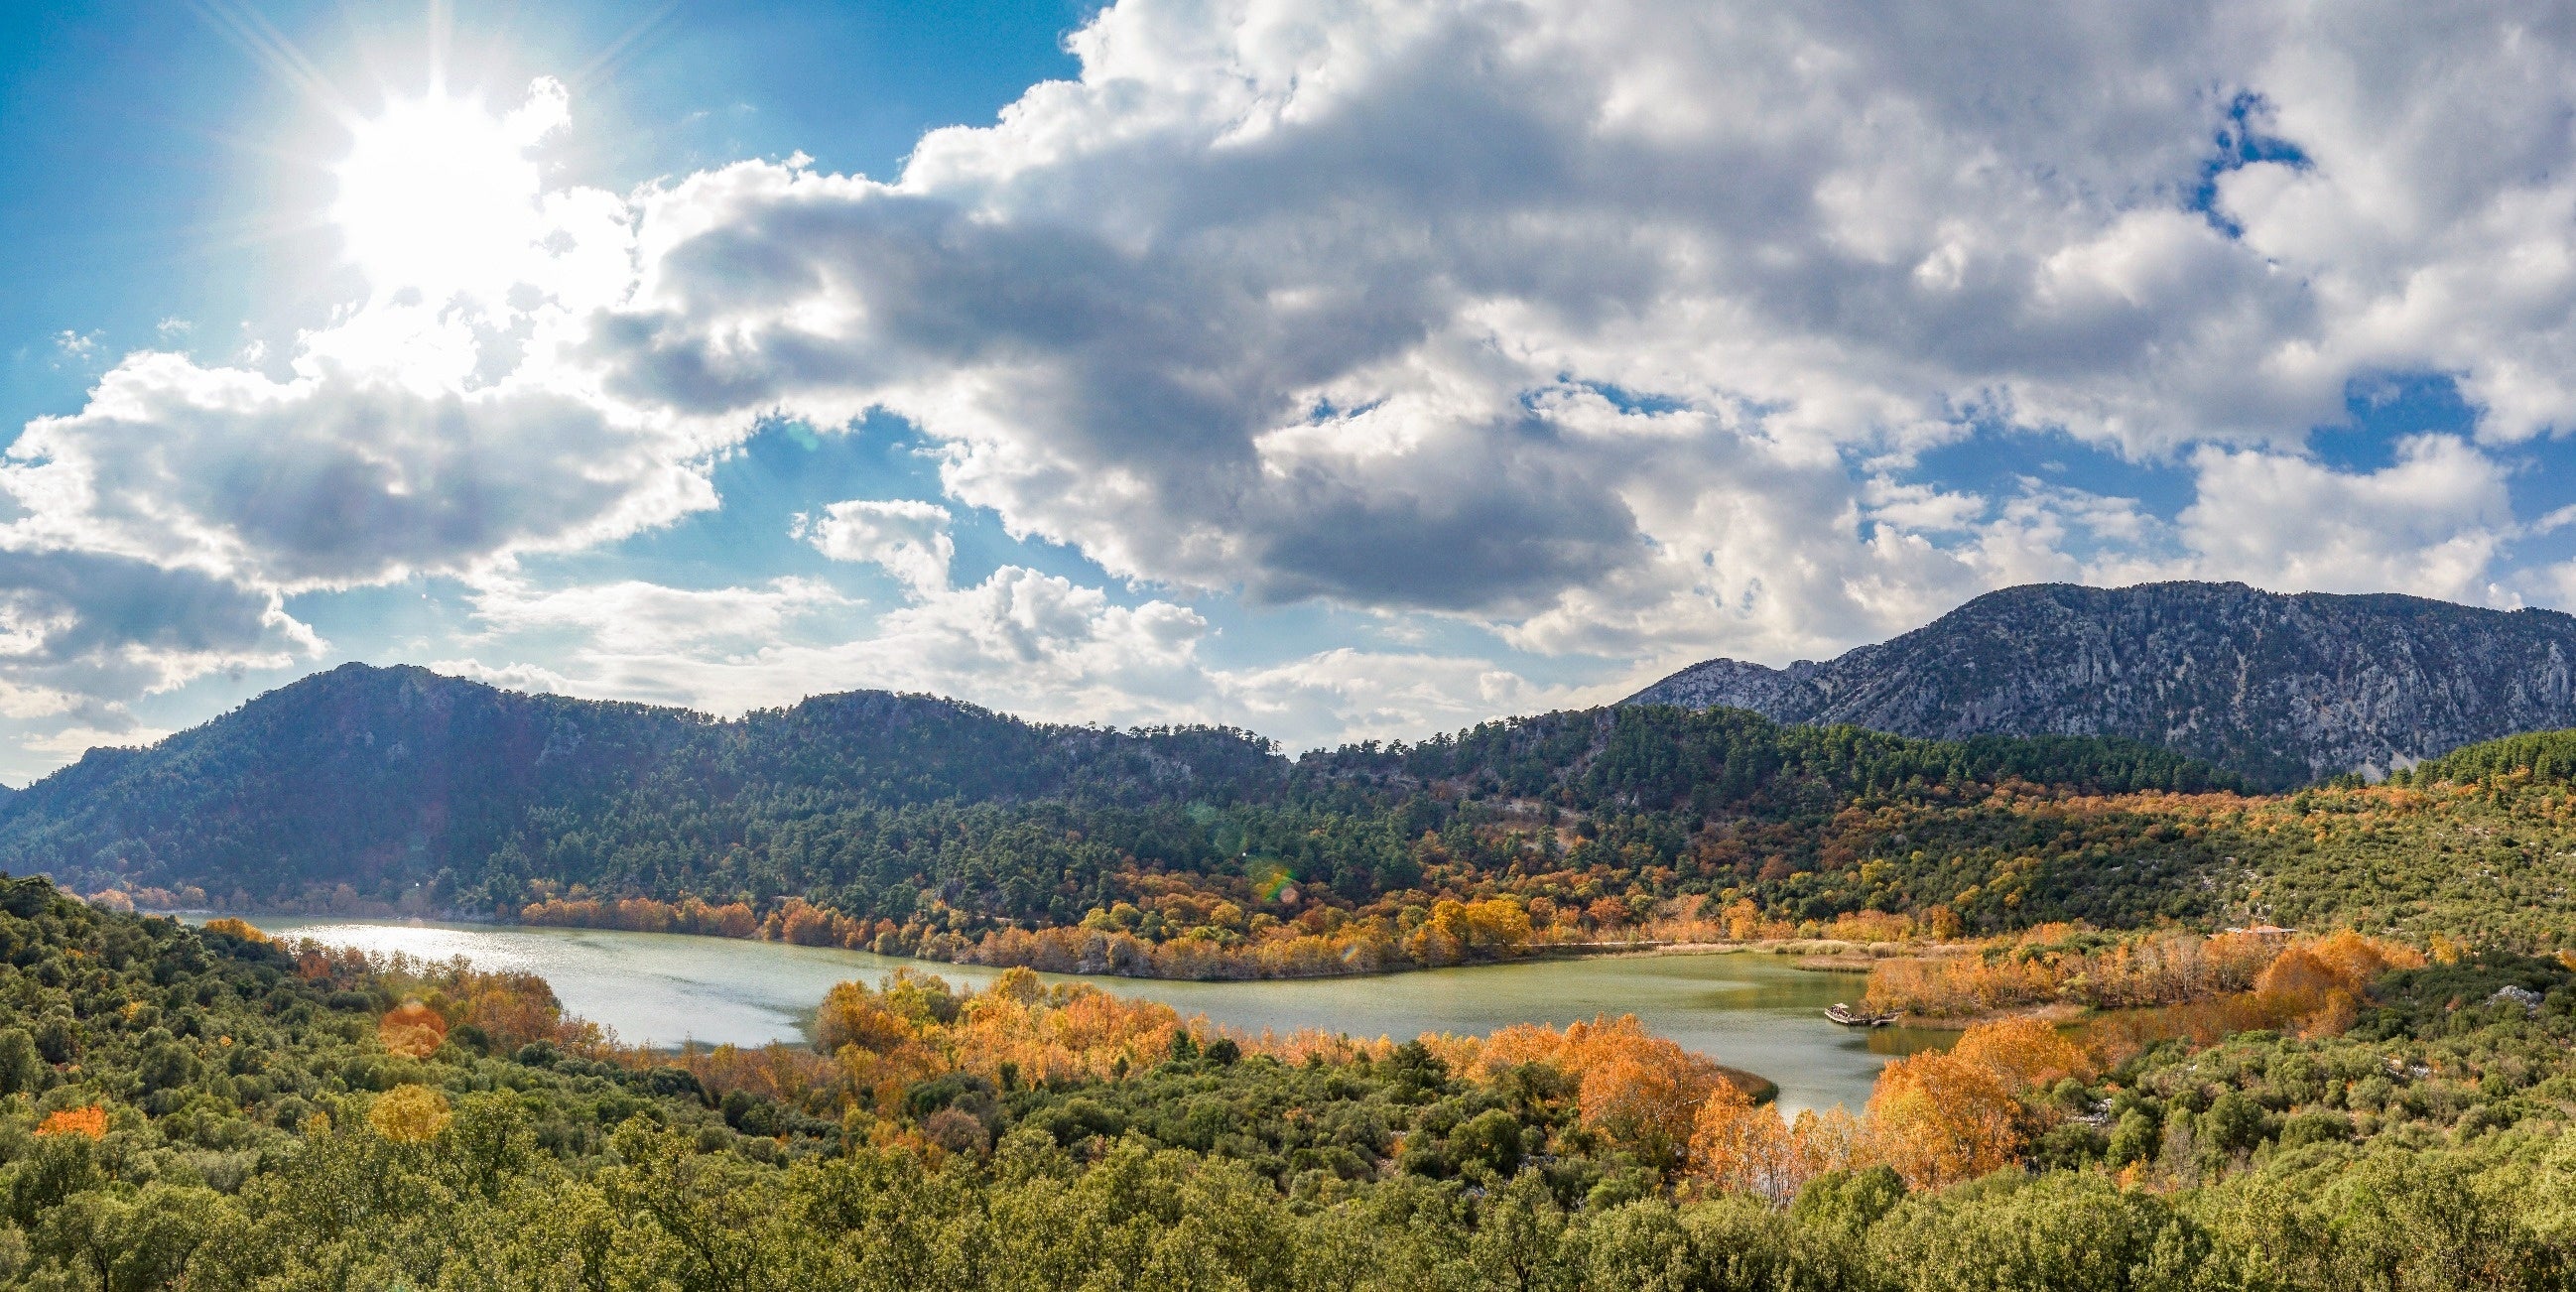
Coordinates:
441	196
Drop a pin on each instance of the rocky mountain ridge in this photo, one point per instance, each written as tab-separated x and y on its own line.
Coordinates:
2282	688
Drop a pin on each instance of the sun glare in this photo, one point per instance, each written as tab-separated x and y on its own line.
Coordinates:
439	195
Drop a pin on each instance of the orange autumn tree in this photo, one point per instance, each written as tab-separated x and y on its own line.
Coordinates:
2313	986
2161	968
883	1038
238	928
88	1123
854	1014
2316	988
510	1008
1640	1091
2023	1053
787	1074
2359	960
1738	1146
1942	1118
1068	1032
877	1040
412	1029
1822	1142
1939	1120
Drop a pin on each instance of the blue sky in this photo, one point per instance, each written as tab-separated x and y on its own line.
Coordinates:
1336	371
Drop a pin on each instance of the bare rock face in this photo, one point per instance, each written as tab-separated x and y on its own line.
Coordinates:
2283	689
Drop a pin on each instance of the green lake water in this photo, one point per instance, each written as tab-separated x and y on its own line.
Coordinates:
1748	1010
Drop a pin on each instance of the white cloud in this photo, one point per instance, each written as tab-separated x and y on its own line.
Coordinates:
1346	694
78	349
2430	523
1290	298
64	744
535	679
909	538
101	626
634	615
1021	640
1024	642
339	476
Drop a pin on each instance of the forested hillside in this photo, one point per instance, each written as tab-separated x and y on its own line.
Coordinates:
390	779
920	825
209	1109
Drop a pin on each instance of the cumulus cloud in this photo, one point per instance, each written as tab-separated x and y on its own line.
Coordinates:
533	678
2430	523
93	624
1348	694
79	348
82	633
340	476
907	537
1300	300
1020	640
1025	642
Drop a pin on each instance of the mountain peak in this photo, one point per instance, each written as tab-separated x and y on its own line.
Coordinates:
2280	687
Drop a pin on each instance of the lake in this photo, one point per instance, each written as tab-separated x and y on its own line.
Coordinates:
1749	1010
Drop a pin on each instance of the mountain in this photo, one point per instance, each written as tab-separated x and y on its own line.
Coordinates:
387	779
365	789
2283	689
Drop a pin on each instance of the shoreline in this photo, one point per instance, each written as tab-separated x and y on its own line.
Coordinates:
1816	955
1761	1088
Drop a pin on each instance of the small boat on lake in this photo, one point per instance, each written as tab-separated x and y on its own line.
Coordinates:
1849	1017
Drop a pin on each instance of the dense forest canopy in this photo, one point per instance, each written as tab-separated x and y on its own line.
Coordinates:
2548	757
207	1108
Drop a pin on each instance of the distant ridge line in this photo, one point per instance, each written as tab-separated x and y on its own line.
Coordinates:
2282	688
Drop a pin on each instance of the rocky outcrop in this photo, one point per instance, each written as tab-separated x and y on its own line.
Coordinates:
2283	689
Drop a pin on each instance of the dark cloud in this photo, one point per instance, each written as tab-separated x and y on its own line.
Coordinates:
113	627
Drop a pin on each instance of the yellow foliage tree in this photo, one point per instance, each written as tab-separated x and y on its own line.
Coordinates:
238	928
2358	961
853	1015
511	1008
409	1114
1643	1091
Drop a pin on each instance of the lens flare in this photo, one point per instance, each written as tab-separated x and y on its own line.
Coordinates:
1271	880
